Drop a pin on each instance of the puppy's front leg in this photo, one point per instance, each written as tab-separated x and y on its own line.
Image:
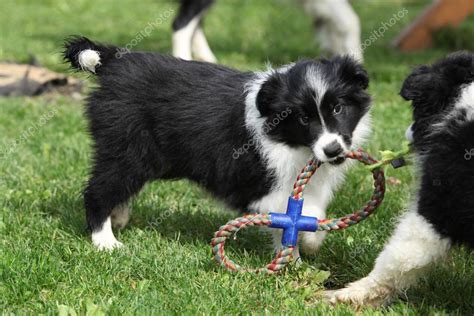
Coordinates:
277	246
412	248
311	242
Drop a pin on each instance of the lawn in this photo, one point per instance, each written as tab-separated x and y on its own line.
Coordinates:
47	262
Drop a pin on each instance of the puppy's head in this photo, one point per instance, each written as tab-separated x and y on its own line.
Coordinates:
434	90
318	104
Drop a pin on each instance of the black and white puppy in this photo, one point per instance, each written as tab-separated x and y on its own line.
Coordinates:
443	212
242	135
336	24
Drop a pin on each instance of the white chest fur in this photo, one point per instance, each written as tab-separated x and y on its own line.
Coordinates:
286	164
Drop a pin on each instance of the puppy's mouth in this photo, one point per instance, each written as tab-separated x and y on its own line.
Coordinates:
337	161
330	148
334	161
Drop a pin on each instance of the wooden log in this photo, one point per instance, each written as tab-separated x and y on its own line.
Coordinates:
439	14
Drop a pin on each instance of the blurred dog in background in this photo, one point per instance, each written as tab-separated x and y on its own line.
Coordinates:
337	27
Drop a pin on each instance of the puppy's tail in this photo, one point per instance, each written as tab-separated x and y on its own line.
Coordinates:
83	54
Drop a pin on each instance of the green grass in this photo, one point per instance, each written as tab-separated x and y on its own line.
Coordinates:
47	262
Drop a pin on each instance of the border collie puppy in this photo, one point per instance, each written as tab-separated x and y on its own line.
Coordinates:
242	135
443	212
336	24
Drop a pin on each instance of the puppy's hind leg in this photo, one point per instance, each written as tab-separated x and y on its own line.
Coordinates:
412	248
120	216
109	188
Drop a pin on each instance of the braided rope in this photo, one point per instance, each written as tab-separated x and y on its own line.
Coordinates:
303	178
285	255
364	212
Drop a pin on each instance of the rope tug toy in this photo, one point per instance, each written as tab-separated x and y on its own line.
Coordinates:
293	222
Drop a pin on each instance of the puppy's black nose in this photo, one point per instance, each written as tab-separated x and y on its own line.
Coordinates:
333	149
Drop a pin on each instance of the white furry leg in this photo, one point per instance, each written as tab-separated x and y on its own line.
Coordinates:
315	207
338	26
200	47
411	249
104	238
120	216
182	39
311	242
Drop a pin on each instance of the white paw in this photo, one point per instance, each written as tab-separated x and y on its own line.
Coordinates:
311	242
364	292
107	245
104	238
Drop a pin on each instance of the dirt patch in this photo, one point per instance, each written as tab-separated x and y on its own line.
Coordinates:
31	80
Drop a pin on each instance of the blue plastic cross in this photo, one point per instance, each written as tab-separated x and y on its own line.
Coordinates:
293	222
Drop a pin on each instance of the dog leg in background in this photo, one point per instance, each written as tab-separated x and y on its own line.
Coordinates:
187	31
337	26
412	248
200	47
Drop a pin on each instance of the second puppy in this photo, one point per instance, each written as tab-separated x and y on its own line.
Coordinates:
242	135
442	213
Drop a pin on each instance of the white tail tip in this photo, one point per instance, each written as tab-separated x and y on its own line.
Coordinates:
89	59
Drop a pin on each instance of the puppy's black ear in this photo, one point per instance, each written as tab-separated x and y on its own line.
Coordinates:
417	83
361	77
271	94
352	71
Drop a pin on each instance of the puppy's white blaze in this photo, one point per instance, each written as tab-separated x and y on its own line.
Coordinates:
182	39
89	59
319	85
317	82
104	238
323	141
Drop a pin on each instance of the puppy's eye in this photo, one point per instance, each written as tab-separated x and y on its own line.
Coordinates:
337	109
304	120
